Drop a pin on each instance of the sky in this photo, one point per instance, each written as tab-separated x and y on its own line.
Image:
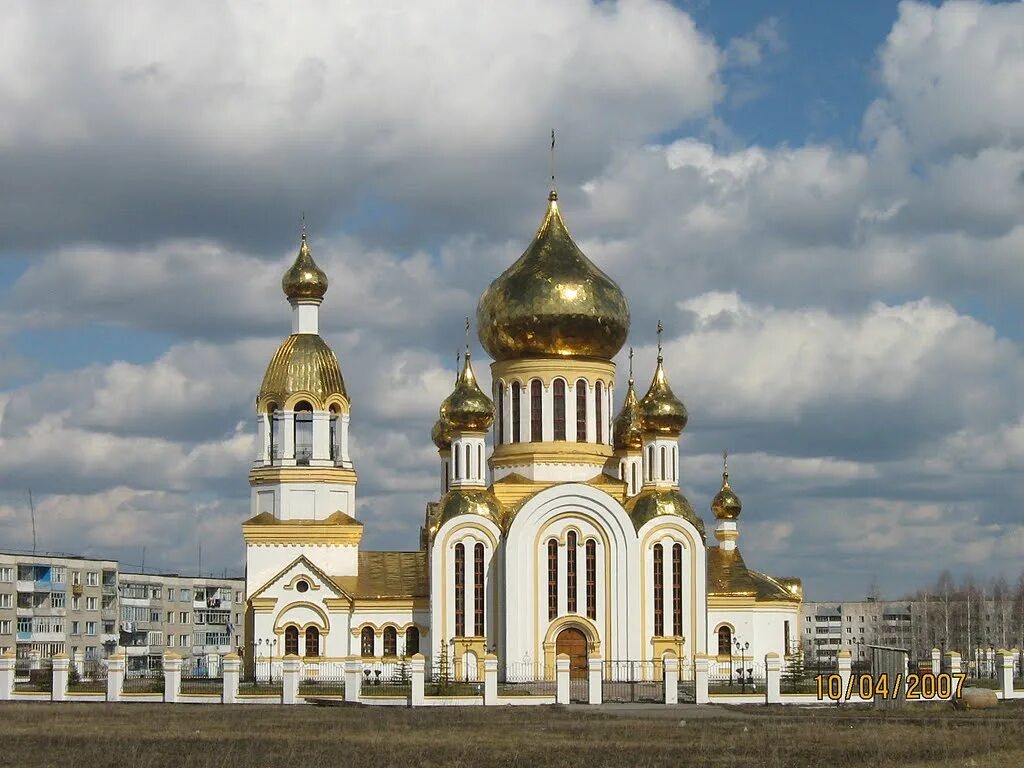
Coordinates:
822	202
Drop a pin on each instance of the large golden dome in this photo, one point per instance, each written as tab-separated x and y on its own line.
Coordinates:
663	413
467	408
304	279
656	502
302	364
467	501
553	301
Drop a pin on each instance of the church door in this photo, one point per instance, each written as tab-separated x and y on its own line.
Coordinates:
573	643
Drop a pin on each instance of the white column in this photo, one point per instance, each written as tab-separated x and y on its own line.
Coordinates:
562	676
172	677
416	694
345	460
232	673
700	679
953	662
773	672
845	668
547	396
671	679
936	661
59	689
7	662
591	421
594	666
115	677
490	679
305	317
76	661
570	411
288	438
322	436
354	678
262	435
291	671
1004	660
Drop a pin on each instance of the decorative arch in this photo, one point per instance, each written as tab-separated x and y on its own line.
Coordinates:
583	624
302	614
297	397
724	634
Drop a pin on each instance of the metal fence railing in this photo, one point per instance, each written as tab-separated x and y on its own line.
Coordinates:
737	676
260	678
386	678
33	680
198	677
91	679
323	678
526	679
143	681
633	681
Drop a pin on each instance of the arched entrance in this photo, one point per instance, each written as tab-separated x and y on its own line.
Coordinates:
573	643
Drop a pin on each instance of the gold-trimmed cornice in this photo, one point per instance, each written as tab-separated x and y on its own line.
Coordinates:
547	369
514	489
276	474
518	454
338	529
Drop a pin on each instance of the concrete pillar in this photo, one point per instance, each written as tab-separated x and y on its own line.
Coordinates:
212	665
7	675
490	679
172	677
354	678
59	691
115	677
562	676
418	666
291	671
76	662
845	664
594	667
773	677
34	660
936	661
700	679
671	679
953	662
232	675
1004	660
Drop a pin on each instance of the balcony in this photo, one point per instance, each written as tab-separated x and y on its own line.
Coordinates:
25	585
42	585
109	589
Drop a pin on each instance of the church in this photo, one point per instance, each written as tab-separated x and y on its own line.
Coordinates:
560	526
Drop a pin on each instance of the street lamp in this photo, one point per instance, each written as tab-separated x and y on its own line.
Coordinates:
741	648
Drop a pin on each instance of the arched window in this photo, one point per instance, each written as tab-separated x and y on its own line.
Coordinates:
303	433
724	641
480	461
599	410
460	590
591	555
581	411
536	411
633	489
312	642
366	642
659	591
677	590
516	412
447	479
469	464
291	641
570	572
455	455
500	386
390	641
478	590
558	395
275	432
650	462
552	579
664	463
412	641
335	438
675	464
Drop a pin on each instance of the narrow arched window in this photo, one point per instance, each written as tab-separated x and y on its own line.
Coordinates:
675	464
334	438
677	590
659	591
581	411
412	641
460	590
501	411
650	462
591	555
469	465
724	641
558	395
312	642
570	572
635	478
366	642
390	641
478	590
599	410
275	432
291	641
455	455
303	433
552	579
480	461
664	464
447	479
536	411
517	429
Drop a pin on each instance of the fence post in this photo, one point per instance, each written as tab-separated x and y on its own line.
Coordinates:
354	678
700	679
291	672
936	662
34	660
416	691
7	662
212	664
232	675
490	679
845	668
172	677
773	678
562	676
59	689
115	677
1005	665
953	662
594	667
671	679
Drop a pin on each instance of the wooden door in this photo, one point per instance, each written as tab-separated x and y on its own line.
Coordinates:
573	643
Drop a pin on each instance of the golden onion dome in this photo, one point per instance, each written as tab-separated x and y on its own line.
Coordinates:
467	501
302	364
726	505
304	280
441	435
628	427
663	413
553	301
467	408
656	502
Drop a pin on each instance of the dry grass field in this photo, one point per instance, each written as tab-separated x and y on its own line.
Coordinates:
145	736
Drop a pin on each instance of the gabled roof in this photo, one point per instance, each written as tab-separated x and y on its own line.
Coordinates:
387	574
338	518
331	584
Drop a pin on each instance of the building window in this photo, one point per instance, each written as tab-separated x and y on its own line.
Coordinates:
90	604
570	566
291	641
478	590
460	590
480	461
275	432
516	412
470	469
366	642
536	411
591	556
677	590
303	433
664	464
90	627
456	453
581	411
7	600
635	483
390	641
58	599
599	410
558	395
6	574
659	591
501	411
724	641
92	579
333	439
650	462
312	642
552	579
412	641
785	638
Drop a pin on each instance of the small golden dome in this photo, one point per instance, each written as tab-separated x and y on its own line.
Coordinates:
663	413
655	502
467	501
467	408
303	363
441	435
628	427
304	280
553	301
726	505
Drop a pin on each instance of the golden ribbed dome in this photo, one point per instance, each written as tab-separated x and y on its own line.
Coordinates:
726	505
655	502
468	501
467	409
303	363
441	435
304	279
663	413
553	301
628	427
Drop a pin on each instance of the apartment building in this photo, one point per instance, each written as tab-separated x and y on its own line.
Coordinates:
827	628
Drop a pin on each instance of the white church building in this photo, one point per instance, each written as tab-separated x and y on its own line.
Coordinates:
559	528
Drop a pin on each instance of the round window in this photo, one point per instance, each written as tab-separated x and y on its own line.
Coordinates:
302	586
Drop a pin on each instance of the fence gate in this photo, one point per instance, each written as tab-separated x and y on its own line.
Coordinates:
632	681
890	690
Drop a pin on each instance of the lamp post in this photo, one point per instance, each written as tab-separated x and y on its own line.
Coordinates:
741	649
992	660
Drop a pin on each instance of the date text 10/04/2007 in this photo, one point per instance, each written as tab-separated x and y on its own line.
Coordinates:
867	687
